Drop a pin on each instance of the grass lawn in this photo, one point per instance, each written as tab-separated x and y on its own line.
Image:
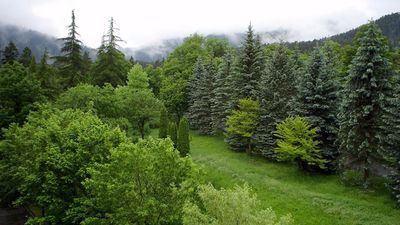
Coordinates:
311	199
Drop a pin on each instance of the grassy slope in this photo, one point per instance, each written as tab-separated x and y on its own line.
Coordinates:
310	199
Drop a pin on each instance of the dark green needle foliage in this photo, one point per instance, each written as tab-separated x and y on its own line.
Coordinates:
163	130
183	142
366	115
10	53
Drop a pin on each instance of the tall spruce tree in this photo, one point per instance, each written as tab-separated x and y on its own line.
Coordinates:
277	89
249	68
246	77
70	63
201	90
10	53
222	94
317	101
365	112
111	65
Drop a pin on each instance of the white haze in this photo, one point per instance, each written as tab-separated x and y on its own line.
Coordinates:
146	22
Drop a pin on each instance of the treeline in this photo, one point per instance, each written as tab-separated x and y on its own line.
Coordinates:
329	111
75	149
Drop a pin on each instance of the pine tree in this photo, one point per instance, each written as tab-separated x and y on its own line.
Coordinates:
365	110
172	133
32	65
46	77
70	63
201	89
249	68
10	53
26	57
277	89
163	131
111	65
183	142
222	92
317	101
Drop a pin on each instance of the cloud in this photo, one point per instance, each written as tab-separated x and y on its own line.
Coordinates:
145	22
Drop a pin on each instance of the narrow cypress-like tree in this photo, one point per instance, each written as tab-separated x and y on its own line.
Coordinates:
10	53
163	130
26	57
365	110
183	142
317	101
172	133
70	63
111	65
277	89
222	93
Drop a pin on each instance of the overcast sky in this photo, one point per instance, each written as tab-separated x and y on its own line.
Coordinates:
144	22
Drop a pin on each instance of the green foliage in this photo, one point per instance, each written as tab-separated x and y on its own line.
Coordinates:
183	139
277	89
222	94
243	121
70	63
249	68
19	90
111	66
366	114
137	102
49	81
317	100
26	57
174	95
47	159
226	207
173	132
297	141
144	183
201	86
10	53
163	130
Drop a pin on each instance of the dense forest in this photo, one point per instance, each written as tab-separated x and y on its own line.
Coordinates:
77	143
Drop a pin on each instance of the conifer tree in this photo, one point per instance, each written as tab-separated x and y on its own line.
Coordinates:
249	68
317	101
172	132
201	89
277	89
26	57
46	76
32	65
70	63
222	92
111	65
365	113
183	142
163	130
10	53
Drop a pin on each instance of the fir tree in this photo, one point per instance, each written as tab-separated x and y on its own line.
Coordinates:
111	65
26	57
365	111
163	131
32	65
183	142
317	101
46	77
201	88
10	53
277	88
222	92
249	68
70	63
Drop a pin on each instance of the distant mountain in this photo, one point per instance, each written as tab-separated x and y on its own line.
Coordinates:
36	41
390	25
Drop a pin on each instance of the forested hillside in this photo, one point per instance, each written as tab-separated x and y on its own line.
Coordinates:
192	139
